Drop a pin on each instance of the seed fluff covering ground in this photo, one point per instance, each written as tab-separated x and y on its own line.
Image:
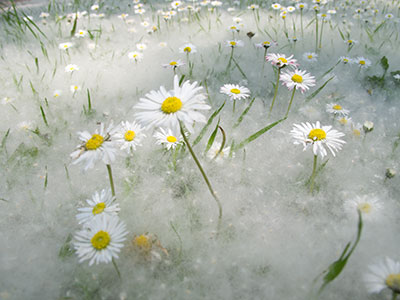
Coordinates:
266	216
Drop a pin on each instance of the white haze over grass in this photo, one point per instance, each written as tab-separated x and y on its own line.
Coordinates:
276	237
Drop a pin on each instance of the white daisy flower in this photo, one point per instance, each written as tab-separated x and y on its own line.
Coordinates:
324	17
318	137
166	108
173	64
7	100
135	56
71	68
234	43
214	152
101	203
81	33
344	120
367	205
383	275
350	42
337	110
168	138
276	6
235	92
188	48
123	16
65	46
280	60
141	46
297	79
301	6
94	147
101	241
362	62
57	93
346	60
74	88
310	56
95	7
265	45
128	136
26	125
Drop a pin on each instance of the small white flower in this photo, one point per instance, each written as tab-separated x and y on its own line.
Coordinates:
173	64
276	6
346	60
57	93
101	203
367	205
81	33
318	137
310	56
135	56
128	136
362	62
280	60
71	68
101	240
383	275
65	46
74	88
297	79
214	152
26	125
337	110
141	46
235	92
168	138
234	43
7	100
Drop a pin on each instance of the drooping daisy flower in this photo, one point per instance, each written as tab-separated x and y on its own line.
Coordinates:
350	42
383	275
217	155
168	138
344	120
367	205
234	43
235	92
166	108
128	135
65	46
173	64
71	68
337	110
318	137
101	203
362	62
346	60
101	241
280	60
94	147
135	56
297	79
310	56
188	48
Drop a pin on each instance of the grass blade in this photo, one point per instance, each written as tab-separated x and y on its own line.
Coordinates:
244	113
203	131
315	93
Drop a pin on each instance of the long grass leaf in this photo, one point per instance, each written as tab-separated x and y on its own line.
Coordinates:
210	120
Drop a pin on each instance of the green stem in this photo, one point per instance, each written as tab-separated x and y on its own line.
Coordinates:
111	180
204	176
301	21
394	295
290	103
116	268
313	174
276	90
316	32
234	105
320	36
230	60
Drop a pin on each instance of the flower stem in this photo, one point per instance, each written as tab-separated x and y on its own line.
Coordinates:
276	91
316	32
116	268
230	60
290	103
301	21
313	174
204	176
394	295
320	36
111	180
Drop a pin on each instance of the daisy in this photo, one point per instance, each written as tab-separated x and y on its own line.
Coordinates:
368	206
94	147
81	33
215	154
280	60
265	45
65	46
71	68
167	108
383	275
57	93
356	129
301	6
135	56
101	203
276	6
318	137
234	43
168	138
310	56
128	136
141	46
235	92
346	60
174	64
188	48
362	62
123	16
74	88
101	241
350	42
297	79
345	120
337	110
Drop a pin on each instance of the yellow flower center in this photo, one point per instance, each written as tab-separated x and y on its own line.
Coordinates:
187	49
235	91
297	78
72	68
100	240
129	135
65	46
98	208
266	43
323	15
171	139
232	43
282	59
362	62
365	207
356	132
171	105
345	60
393	282
173	63
142	242
317	134
309	56
94	142
343	121
337	107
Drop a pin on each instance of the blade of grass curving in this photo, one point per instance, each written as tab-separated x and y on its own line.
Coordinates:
212	137
244	113
315	93
258	134
210	120
44	116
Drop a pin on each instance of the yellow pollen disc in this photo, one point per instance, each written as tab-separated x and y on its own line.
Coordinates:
356	132
337	107
56	95
76	87
173	63
365	207
98	208
309	56
301	5
100	240
129	135
142	242
317	134
345	60
94	142
171	139
350	41
65	46
297	78
393	282
187	49
171	105
323	15
72	68
282	59
266	43
232	43
362	62
235	91
343	121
